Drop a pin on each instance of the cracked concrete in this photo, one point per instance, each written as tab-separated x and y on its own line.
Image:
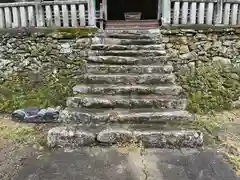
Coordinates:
110	163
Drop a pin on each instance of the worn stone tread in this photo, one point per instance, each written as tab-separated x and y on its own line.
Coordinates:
143	115
132	101
124	60
143	69
144	53
160	139
151	31
129	79
127	90
128	35
108	47
77	136
116	41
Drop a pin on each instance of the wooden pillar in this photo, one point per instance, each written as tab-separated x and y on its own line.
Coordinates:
91	13
219	15
101	16
159	15
39	13
104	2
166	5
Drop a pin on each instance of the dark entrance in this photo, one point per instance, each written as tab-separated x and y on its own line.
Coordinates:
117	8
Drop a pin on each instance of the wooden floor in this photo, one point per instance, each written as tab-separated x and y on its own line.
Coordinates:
137	24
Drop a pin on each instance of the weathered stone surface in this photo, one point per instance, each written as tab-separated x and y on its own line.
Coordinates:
119	101
114	136
122	60
70	137
202	45
129	79
143	69
236	104
222	60
71	115
127	47
126	90
134	34
39	52
129	41
127	53
160	139
103	116
170	139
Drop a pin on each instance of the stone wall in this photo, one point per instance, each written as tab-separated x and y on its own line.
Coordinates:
24	50
187	46
197	47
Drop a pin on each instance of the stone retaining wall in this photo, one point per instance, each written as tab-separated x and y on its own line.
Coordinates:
185	46
188	46
23	50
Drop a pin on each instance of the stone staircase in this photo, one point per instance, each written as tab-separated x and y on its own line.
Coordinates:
129	92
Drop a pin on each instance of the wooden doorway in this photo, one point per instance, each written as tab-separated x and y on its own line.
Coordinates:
114	13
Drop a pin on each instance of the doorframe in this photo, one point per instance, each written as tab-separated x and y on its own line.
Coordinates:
104	3
159	9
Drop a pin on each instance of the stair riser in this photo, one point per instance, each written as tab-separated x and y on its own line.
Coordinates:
85	102
128	28
78	137
113	117
160	60
129	47
130	36
115	41
129	80
133	25
105	69
148	32
144	53
128	90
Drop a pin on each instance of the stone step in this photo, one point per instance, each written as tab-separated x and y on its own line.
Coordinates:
119	101
149	32
123	60
106	69
129	79
117	47
131	35
130	41
133	26
128	53
78	136
131	116
127	90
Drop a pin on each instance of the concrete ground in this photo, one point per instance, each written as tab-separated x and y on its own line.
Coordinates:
98	163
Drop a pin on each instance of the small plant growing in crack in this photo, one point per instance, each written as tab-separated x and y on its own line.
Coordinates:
135	145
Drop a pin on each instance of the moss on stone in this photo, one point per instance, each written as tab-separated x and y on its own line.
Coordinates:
210	87
82	32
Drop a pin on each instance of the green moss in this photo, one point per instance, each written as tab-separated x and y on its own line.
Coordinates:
210	87
235	161
77	31
21	133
